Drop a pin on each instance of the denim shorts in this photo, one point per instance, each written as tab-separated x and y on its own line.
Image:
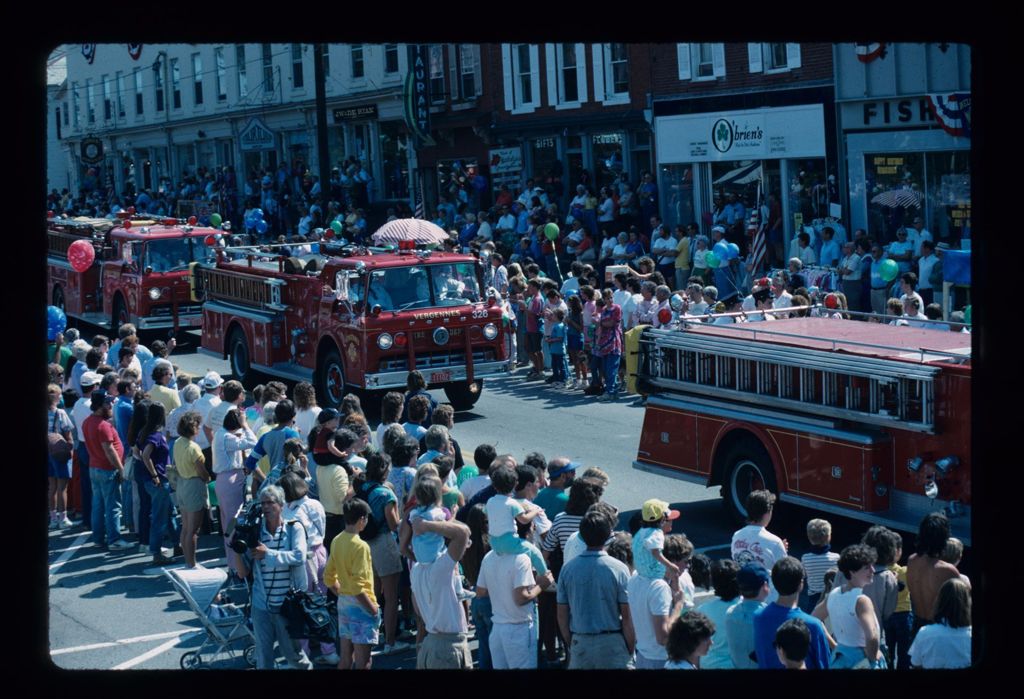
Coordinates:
357	624
58	469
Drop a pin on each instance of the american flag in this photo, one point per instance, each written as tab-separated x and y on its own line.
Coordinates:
758	249
420	210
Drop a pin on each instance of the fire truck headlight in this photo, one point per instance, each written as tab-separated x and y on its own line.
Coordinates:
947	464
385	341
490	331
155	293
915	464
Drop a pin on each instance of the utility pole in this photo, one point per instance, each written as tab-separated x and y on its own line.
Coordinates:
321	125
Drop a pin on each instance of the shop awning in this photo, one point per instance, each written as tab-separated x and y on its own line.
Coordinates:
742	175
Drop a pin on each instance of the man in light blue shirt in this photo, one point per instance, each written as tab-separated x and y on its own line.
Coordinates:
734	211
752	580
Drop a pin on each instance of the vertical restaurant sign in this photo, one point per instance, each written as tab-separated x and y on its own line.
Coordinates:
417	94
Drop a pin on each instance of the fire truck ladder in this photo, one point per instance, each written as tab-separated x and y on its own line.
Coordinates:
822	382
213	284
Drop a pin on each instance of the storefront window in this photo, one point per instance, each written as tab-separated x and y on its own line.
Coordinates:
894	188
608	162
739	177
574	161
394	150
676	188
336	146
640	162
453	178
544	159
948	196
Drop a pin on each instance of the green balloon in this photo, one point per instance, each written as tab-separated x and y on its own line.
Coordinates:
551	231
712	260
888	270
967	315
215	220
336	227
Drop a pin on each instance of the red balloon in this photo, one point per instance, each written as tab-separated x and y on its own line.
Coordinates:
329	233
50	214
210	240
664	316
81	255
192	220
127	223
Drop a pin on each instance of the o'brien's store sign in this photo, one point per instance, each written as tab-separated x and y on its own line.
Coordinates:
756	134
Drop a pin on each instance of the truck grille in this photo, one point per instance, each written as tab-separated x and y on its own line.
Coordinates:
163	310
431	360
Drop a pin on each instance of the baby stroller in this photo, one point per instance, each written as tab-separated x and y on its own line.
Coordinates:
225	623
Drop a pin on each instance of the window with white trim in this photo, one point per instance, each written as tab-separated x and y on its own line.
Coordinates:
139	101
616	66
108	103
222	89
297	76
467	71
158	85
74	102
523	75
390	58
197	78
243	81
90	104
773	58
64	111
120	94
436	63
703	65
268	69
175	84
700	62
358	67
568	73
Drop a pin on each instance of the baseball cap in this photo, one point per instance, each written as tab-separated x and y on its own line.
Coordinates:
654	510
751	575
99	398
90	378
555	473
326	415
212	380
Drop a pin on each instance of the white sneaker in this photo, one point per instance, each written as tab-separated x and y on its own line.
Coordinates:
121	545
396	647
570	384
65	523
332	659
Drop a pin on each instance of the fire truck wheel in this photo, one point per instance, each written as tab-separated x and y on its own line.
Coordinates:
119	315
330	380
464	395
58	297
748	468
238	356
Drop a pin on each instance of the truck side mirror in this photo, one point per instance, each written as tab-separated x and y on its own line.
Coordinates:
341	286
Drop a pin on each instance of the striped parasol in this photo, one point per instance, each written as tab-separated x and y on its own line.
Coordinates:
906	198
405	229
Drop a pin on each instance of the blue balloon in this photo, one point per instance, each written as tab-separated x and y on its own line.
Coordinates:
734	251
721	249
261	226
56	322
570	293
257	214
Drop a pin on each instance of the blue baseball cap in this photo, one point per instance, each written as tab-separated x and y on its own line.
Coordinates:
752	575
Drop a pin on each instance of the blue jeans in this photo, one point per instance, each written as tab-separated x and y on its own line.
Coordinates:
611	373
559	367
480	610
106	506
596	365
897	639
86	484
141	478
160	499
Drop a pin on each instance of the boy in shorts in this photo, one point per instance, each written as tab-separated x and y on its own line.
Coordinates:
349	574
649	541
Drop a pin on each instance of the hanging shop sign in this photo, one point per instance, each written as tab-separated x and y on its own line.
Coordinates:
256	136
92	150
417	94
363	111
779	132
505	160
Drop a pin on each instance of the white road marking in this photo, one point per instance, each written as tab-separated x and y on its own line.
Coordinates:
163	647
121	642
69	552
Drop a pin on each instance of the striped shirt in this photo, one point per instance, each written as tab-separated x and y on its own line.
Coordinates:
816	565
285	559
562	528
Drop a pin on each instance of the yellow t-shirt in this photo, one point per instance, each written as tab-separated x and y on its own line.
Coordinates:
349	564
683	258
168	397
903	599
264	464
186	455
332	484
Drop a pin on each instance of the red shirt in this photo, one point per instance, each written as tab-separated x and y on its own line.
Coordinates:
322	437
98	432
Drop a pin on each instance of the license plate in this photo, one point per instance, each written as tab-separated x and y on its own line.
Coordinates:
440	376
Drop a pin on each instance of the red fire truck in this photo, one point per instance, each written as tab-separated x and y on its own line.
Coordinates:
351	317
864	420
140	274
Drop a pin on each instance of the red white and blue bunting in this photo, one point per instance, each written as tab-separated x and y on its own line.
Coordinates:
953	112
867	52
135	50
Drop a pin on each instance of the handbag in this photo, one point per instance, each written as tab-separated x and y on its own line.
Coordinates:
309	615
60	449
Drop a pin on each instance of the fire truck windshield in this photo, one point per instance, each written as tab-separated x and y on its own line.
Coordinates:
173	254
399	288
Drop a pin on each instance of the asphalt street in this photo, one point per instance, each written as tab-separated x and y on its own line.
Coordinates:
116	611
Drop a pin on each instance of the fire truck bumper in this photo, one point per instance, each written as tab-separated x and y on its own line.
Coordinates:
190	320
438	376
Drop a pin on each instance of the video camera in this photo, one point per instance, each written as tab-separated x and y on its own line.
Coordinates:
246	534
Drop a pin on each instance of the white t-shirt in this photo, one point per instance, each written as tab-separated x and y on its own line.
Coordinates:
608	245
938	646
80	413
663	244
378	438
473	486
924	271
500	576
203	406
502	511
755	544
305	420
574	546
434	586
647	598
